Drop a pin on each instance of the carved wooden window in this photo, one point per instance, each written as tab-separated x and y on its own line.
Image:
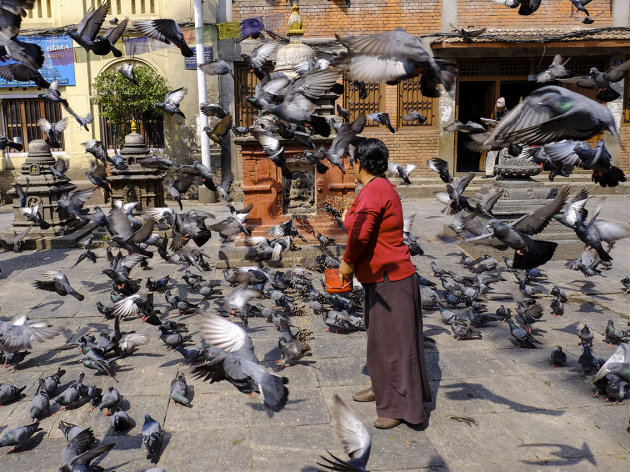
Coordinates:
20	115
410	99
374	102
245	83
151	126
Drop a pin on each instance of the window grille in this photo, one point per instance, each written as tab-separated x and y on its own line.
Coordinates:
484	67
20	119
373	103
151	127
410	98
244	86
41	9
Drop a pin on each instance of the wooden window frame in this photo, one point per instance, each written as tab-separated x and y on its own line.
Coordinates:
29	129
428	106
356	106
245	82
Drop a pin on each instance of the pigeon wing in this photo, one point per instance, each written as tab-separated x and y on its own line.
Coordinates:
354	436
223	126
621	354
616	73
223	334
397	43
535	221
164	30
176	96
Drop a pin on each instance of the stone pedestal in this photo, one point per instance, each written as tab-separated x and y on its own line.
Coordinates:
136	183
44	188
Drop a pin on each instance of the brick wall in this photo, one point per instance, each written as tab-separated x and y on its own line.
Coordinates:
624	154
552	14
324	18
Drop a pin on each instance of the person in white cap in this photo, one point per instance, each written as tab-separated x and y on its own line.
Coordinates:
491	156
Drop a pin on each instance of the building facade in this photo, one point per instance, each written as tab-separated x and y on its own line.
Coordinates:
76	69
503	62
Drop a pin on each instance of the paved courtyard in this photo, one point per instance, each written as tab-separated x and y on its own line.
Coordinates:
527	415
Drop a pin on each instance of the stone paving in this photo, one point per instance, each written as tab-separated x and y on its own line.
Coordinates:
528	415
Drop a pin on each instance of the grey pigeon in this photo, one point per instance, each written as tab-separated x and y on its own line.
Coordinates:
232	358
52	94
274	150
127	71
614	335
415	116
152	438
20	332
393	56
558	357
53	132
602	81
522	337
382	118
10	393
23	73
588	362
57	282
40	404
121	421
97	149
555	71
179	389
52	381
73	202
172	100
89	27
549	114
216	67
355	438
618	363
18	437
345	135
111	400
586	335
166	31
77	456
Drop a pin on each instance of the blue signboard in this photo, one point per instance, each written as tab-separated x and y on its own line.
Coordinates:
191	62
58	60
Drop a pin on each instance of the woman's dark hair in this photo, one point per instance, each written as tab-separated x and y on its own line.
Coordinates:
372	154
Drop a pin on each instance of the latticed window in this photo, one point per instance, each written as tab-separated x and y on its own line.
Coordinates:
486	67
245	82
151	126
20	115
373	103
41	9
410	99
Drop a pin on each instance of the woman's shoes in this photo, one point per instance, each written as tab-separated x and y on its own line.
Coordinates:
385	423
366	395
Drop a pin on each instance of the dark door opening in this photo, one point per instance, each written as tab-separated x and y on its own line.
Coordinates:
475	101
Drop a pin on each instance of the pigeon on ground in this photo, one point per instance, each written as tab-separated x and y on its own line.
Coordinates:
18	437
586	335
10	393
614	335
52	382
618	363
152	438
121	421
522	337
57	282
166	31
77	456
40	404
179	390
588	362
558	357
111	400
232	358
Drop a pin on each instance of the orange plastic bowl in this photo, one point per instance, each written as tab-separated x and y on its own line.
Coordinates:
333	284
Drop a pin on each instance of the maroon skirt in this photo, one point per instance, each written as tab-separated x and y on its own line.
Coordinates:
395	350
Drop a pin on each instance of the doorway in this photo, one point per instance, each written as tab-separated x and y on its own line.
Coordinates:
476	100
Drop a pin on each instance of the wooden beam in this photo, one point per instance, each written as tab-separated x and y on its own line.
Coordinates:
604	43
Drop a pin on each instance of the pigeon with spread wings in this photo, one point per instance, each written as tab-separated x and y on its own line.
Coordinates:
548	114
530	252
231	357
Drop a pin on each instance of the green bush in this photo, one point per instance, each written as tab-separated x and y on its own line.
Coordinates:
122	101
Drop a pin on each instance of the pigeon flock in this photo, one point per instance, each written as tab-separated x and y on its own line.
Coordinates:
204	323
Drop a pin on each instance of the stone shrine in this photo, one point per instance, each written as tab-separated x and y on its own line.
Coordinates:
137	183
43	188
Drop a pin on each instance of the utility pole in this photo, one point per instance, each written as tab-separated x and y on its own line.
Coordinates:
202	120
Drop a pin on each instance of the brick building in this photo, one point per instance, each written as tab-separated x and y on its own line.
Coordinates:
503	62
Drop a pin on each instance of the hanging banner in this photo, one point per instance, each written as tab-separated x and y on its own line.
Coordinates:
229	30
58	60
191	62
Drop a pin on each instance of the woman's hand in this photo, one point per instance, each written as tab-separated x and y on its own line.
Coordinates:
345	271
